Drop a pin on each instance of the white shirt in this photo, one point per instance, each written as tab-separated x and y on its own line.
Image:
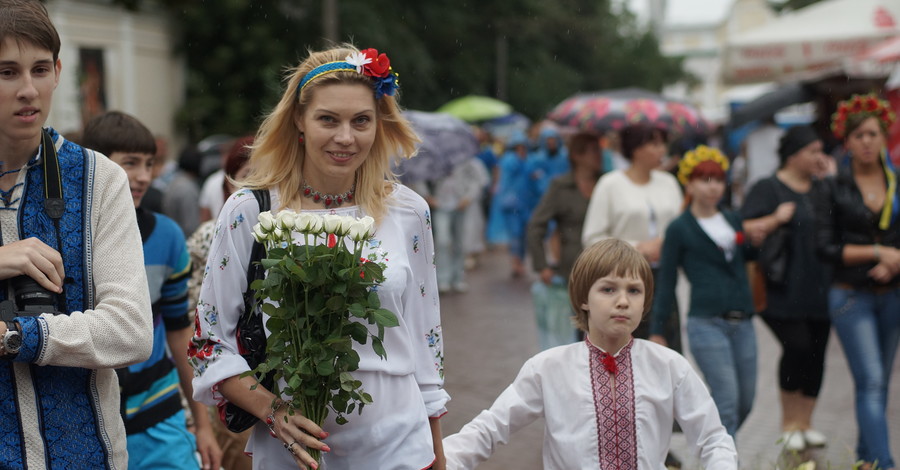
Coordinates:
559	385
619	208
720	232
406	387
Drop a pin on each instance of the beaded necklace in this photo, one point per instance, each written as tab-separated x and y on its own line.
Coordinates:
328	199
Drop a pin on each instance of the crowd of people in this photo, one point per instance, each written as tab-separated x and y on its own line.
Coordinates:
111	364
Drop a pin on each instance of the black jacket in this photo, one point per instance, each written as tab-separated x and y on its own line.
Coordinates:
842	218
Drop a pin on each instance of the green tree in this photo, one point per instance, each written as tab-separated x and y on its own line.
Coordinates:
236	52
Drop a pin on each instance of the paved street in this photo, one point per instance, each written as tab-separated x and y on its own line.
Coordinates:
489	332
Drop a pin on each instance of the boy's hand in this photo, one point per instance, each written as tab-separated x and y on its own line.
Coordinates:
34	259
208	447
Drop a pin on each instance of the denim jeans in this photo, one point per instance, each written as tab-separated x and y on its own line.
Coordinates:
449	236
725	351
868	325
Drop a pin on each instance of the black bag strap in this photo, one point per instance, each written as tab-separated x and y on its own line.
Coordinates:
254	268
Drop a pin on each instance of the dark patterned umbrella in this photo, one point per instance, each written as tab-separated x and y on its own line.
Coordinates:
614	109
446	142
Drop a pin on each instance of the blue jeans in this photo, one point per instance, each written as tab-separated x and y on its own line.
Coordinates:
725	351
868	325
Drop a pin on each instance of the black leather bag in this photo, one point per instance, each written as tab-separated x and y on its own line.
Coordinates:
773	256
776	248
251	335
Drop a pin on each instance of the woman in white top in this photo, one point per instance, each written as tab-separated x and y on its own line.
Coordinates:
326	148
637	204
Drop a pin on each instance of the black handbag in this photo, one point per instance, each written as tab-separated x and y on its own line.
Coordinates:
775	250
251	335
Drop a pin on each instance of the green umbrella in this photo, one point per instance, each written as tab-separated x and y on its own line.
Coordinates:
474	108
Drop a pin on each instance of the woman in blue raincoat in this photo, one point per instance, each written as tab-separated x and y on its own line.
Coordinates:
510	205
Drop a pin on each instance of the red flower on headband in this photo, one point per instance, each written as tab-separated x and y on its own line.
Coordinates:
379	66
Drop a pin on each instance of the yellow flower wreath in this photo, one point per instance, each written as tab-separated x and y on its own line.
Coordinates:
697	156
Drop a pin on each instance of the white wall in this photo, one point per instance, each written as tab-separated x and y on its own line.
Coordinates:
143	77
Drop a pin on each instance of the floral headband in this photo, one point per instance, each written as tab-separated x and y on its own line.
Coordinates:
367	62
697	156
868	105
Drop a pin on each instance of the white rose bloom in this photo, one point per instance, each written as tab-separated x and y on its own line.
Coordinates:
346	223
370	225
267	221
331	223
316	224
277	234
258	233
302	222
286	220
357	231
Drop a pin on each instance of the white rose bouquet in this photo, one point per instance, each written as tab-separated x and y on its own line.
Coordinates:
320	298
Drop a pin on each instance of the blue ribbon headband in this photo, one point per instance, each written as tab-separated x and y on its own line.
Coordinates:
325	69
383	85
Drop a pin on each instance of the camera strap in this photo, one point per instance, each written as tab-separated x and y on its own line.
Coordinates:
54	205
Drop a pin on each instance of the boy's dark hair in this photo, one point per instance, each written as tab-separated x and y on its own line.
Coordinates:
27	21
115	131
610	257
633	136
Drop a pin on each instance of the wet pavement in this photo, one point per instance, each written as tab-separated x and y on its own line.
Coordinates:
489	332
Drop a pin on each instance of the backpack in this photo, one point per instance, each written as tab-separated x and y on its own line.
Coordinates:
251	335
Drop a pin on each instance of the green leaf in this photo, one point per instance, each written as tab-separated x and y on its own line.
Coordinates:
335	303
359	332
379	348
270	263
340	420
386	318
294	382
374	301
325	367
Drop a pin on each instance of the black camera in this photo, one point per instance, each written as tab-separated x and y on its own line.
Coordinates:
31	300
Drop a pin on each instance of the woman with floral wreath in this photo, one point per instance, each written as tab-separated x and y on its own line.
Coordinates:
857	231
708	243
326	148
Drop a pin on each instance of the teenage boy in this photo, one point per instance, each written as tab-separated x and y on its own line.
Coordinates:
154	416
71	274
609	401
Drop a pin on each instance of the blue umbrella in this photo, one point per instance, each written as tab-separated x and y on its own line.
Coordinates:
446	142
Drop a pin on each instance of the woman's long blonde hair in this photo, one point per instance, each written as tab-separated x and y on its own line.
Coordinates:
277	155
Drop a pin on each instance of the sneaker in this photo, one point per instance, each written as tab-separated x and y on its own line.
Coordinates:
814	438
461	287
793	440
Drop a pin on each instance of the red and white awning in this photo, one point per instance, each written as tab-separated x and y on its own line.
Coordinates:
810	40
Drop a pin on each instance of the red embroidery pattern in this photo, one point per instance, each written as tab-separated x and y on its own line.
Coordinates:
615	418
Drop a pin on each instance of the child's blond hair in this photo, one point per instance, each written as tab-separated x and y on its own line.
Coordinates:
610	257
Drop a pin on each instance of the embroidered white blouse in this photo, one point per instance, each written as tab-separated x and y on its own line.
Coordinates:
590	425
406	388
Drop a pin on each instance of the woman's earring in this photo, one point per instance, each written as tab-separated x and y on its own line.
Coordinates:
300	139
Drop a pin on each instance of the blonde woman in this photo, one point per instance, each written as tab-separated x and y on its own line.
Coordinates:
326	148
